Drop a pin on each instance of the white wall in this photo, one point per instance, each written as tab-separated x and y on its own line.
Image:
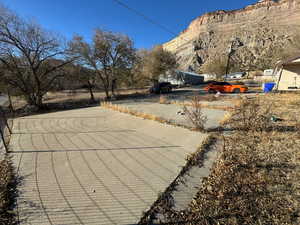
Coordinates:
290	77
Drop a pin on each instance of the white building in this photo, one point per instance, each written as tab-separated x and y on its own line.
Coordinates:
208	77
289	74
181	78
268	72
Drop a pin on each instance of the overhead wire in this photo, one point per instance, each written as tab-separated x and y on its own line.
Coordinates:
150	20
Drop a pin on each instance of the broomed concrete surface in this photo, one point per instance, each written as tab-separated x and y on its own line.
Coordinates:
190	183
171	112
94	166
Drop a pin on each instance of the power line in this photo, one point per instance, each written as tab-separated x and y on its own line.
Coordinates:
147	18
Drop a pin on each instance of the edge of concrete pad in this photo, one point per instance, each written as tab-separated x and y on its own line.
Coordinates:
162	119
189	183
165	204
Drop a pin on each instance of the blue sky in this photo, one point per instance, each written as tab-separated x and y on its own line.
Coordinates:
70	17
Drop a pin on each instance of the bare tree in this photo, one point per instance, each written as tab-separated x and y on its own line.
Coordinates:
215	65
84	76
108	55
157	62
135	77
28	54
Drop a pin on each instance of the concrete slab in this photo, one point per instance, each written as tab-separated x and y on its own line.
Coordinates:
189	184
94	166
170	112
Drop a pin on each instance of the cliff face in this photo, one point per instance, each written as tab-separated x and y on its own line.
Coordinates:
255	30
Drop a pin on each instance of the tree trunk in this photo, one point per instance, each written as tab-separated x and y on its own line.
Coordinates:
35	100
105	83
106	89
30	99
39	101
91	92
113	87
10	103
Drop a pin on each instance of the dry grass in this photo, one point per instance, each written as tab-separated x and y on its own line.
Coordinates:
80	95
62	100
195	115
252	114
7	187
226	118
188	103
255	182
257	177
143	115
292	99
126	110
164	203
204	105
163	100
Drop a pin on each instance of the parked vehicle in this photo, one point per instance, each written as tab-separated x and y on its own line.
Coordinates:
237	75
268	72
225	87
162	87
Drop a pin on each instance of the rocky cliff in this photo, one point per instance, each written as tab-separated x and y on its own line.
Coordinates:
255	32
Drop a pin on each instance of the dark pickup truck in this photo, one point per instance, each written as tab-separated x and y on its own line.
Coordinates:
162	87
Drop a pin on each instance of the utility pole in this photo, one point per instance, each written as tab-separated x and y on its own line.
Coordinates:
230	51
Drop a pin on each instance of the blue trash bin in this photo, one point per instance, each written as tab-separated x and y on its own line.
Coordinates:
269	87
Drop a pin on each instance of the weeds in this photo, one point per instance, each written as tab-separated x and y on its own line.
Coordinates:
163	100
164	204
133	112
195	114
205	105
248	185
143	115
256	179
7	188
211	98
252	115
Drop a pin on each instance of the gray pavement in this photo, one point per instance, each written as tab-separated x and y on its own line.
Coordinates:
190	183
94	166
171	112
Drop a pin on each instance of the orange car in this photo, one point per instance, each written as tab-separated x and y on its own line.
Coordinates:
225	87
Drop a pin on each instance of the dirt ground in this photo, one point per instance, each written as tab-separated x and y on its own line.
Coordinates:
256	178
82	96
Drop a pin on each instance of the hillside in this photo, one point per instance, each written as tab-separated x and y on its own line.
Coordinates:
260	31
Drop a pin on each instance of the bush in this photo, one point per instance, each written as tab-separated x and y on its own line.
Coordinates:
252	115
7	188
195	115
253	183
163	100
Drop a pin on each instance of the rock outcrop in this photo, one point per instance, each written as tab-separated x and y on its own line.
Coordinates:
254	30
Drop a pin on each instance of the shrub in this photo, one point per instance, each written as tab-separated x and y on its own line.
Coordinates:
163	100
252	115
256	177
195	115
7	192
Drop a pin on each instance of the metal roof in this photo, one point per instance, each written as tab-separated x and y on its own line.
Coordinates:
288	61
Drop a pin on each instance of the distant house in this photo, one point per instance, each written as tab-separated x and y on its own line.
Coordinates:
268	72
269	75
289	74
181	78
208	77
